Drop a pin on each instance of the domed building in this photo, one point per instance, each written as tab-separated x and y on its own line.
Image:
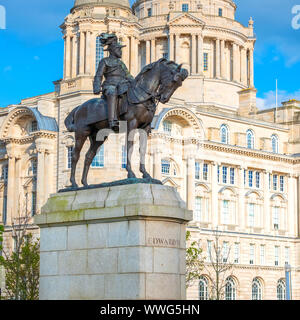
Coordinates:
236	167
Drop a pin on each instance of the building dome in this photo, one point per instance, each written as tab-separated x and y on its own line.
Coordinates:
121	3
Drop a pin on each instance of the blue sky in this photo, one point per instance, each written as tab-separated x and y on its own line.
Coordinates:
31	48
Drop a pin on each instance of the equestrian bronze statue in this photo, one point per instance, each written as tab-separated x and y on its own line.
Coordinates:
124	98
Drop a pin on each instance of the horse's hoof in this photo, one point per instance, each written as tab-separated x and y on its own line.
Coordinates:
131	176
147	176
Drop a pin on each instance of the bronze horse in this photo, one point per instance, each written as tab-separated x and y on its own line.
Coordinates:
156	83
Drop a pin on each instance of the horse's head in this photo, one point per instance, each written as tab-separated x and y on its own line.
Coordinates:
172	76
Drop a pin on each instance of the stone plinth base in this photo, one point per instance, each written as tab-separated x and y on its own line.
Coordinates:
124	242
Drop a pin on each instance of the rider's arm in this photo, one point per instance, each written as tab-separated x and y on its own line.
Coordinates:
99	76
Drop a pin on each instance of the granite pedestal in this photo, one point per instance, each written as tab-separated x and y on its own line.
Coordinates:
123	242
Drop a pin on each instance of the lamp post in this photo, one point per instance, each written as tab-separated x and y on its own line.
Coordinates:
288	281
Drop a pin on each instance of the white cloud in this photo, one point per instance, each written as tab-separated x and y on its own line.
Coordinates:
269	98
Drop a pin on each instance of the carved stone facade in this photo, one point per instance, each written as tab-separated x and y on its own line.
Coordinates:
237	167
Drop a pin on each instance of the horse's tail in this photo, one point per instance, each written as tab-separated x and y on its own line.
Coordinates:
70	121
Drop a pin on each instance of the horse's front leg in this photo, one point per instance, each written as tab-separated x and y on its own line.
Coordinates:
129	143
143	148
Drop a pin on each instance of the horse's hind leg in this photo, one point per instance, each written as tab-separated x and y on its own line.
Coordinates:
143	148
80	139
90	155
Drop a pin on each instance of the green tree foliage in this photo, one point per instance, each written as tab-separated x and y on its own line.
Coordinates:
22	270
194	260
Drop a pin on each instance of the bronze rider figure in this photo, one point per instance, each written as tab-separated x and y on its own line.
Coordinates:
116	74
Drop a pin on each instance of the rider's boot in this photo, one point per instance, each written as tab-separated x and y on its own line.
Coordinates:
112	117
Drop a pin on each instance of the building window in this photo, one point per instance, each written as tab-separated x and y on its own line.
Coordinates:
220	12
225	211
262	255
209	251
197	170
224	134
33	126
124	157
198	209
69	157
250	178
205	61
33	203
232	178
281	291
165	167
225	252
274	143
230	290
251	212
185	7
236	253
166	55
167	126
287	255
256	290
4	216
252	253
276	217
218	173
275	182
281	180
245	176
250	139
149	11
5	173
205	171
98	161
99	51
277	249
203	288
257	176
34	167
225	169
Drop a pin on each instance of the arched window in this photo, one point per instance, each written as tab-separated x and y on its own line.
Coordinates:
281	290
98	161
99	51
203	288
256	289
224	134
165	167
167	126
250	139
230	289
274	143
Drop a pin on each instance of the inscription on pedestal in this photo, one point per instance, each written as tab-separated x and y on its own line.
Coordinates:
163	242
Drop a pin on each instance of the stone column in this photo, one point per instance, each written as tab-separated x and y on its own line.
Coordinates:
131	245
194	54
223	60
171	47
214	195
88	53
251	68
82	53
75	40
218	60
242	220
148	52
11	192
200	54
40	187
267	210
190	182
157	164
153	50
67	57
93	54
244	66
234	62
177	47
134	56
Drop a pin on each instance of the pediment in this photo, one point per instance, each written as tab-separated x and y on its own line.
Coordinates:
169	181
186	19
